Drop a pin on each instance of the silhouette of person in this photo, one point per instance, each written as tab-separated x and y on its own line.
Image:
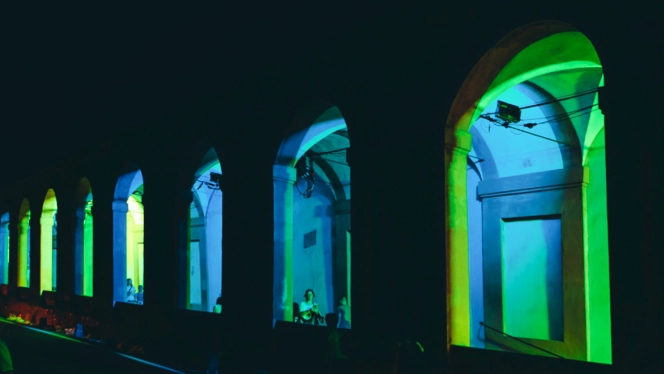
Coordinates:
343	311
131	291
336	359
139	295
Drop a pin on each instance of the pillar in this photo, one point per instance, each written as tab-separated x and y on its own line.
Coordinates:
64	264
104	245
23	244
341	254
120	210
88	253
183	203
4	250
457	147
283	180
79	251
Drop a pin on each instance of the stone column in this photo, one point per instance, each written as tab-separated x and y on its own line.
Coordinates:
341	255
183	203
79	250
120	210
457	147
23	241
4	246
88	252
284	178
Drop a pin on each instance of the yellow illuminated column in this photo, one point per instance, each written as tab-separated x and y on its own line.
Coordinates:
23	232
457	147
284	178
46	251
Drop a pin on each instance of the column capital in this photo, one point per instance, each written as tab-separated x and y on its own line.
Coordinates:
458	140
284	174
120	206
342	207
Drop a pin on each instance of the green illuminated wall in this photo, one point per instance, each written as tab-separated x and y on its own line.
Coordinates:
4	248
48	257
83	239
135	223
532	278
87	250
559	60
23	274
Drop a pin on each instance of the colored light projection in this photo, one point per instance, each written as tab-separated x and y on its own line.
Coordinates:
4	248
312	218
128	220
527	224
205	236
48	252
23	274
83	239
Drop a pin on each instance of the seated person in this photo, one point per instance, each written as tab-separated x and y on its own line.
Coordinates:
343	312
309	313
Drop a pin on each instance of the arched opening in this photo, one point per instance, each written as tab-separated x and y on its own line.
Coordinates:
49	239
312	219
128	221
83	238
23	228
204	257
527	239
4	248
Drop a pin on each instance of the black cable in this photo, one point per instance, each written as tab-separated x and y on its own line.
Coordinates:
555	100
559	99
560	115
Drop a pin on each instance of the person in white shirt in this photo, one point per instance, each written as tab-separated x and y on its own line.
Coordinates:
309	313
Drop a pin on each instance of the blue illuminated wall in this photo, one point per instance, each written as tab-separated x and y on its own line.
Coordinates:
4	248
312	265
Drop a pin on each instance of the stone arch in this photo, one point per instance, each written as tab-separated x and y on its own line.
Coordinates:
83	238
317	141
202	275
531	56
127	231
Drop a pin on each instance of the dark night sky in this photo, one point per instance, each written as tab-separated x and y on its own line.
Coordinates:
69	74
108	69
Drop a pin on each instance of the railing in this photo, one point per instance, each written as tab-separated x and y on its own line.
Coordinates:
520	340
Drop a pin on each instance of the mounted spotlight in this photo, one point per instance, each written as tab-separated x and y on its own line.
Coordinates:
508	112
215	179
306	177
